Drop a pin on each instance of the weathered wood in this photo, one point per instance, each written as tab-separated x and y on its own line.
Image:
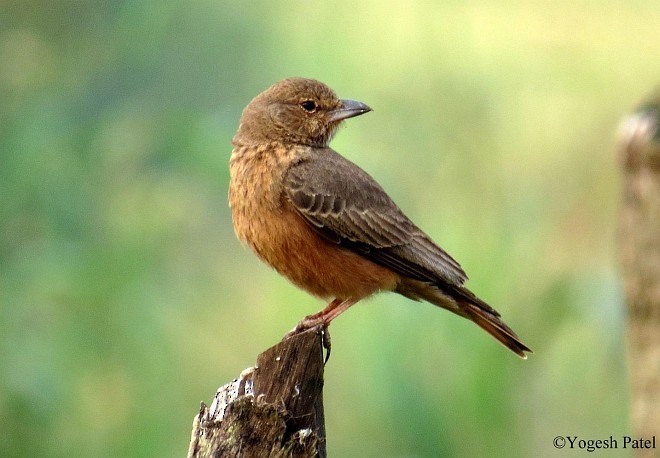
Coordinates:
639	251
272	410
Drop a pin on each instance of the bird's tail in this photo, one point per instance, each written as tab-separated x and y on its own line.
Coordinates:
463	302
493	325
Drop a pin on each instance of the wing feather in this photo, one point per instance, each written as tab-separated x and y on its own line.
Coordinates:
345	205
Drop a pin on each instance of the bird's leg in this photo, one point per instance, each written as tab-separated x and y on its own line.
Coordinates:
325	316
323	319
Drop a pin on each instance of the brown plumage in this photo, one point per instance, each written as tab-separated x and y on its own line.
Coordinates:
327	225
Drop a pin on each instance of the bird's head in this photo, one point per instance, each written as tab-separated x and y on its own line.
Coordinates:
296	111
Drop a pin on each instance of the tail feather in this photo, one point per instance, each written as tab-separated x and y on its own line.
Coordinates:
494	326
463	302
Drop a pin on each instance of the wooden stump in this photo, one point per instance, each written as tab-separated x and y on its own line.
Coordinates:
639	252
274	409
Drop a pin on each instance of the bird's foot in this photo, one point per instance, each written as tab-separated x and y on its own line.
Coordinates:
310	322
322	319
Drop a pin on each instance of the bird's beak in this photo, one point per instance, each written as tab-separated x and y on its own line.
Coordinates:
349	109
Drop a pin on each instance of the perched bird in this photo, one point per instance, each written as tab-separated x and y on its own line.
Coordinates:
324	223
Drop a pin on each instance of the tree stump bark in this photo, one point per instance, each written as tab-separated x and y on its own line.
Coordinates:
639	251
274	409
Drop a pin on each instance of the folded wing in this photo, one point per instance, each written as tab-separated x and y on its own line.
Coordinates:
347	206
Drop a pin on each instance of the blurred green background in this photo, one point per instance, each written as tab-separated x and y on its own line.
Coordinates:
125	298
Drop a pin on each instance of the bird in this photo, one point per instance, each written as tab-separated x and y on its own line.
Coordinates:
324	223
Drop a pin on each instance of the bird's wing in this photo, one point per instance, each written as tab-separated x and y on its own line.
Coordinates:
345	205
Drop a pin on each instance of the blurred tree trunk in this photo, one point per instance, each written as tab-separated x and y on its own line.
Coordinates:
274	409
639	250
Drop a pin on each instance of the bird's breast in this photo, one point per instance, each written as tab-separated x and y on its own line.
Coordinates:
265	221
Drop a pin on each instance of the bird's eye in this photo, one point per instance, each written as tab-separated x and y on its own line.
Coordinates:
309	106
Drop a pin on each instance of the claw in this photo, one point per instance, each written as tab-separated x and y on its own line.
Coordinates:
327	344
